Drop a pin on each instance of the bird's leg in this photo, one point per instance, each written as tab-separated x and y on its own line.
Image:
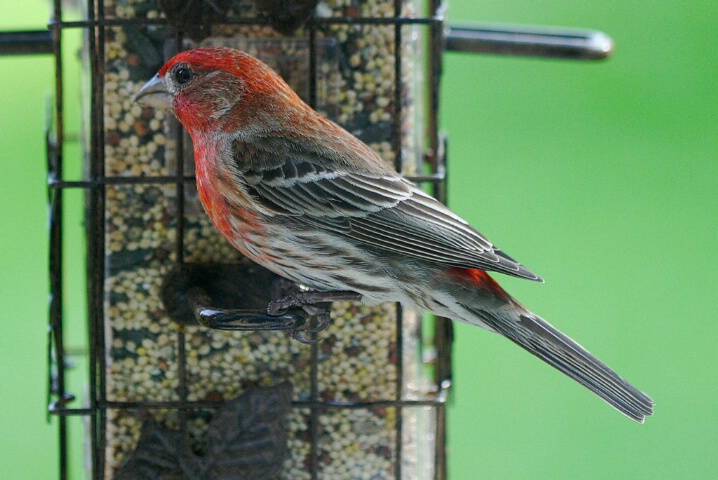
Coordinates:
281	287
316	304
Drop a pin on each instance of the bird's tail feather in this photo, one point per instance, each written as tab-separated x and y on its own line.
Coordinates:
539	338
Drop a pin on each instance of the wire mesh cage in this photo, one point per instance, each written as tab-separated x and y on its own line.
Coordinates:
168	398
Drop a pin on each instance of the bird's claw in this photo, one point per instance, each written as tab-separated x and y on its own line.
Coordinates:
315	324
316	305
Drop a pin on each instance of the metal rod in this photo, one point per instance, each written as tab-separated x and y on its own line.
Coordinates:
440	469
443	337
314	412
26	42
249	320
532	41
552	42
254	21
179	176
33	41
96	239
53	182
438	400
397	147
183	387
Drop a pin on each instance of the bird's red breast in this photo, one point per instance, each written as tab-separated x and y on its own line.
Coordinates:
227	205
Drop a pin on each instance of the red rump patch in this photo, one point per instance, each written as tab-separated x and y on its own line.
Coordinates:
477	278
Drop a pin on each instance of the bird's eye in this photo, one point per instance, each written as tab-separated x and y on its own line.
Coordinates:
183	75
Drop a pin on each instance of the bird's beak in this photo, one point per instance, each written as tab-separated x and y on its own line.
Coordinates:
154	94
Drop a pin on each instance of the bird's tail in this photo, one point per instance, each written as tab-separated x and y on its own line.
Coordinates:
538	337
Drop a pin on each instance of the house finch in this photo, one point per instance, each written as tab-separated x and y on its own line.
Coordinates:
304	198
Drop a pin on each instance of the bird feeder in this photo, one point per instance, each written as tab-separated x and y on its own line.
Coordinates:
242	393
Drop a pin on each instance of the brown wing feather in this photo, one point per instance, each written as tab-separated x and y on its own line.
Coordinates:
383	211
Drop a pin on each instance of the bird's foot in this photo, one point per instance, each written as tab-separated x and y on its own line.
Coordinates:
316	305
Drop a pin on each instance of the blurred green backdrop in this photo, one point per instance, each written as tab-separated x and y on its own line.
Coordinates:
601	177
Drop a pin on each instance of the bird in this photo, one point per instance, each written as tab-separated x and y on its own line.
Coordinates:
298	194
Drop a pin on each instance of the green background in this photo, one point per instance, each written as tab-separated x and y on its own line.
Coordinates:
601	177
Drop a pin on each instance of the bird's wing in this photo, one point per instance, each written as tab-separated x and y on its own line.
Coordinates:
381	210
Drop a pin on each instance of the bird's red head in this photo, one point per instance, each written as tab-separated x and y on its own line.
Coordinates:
221	88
